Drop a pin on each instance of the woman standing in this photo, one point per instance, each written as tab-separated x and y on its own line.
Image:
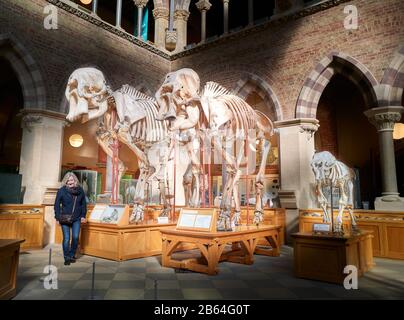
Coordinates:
70	212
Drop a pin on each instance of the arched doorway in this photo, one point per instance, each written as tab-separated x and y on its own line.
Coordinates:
337	92
346	132
11	102
260	96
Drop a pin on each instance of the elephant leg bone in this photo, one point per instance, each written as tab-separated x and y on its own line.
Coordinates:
259	183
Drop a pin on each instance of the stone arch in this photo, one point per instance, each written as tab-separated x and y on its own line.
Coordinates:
393	81
252	83
182	5
318	79
27	71
161	4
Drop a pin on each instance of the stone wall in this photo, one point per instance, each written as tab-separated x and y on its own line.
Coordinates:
284	54
76	43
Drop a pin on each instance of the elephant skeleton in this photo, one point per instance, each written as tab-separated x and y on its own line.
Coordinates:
137	127
328	171
218	114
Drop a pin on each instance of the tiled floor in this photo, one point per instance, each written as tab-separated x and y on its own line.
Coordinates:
267	278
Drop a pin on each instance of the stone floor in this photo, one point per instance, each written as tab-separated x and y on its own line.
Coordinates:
267	278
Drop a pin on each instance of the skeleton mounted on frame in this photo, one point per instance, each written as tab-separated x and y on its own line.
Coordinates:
328	171
90	98
218	114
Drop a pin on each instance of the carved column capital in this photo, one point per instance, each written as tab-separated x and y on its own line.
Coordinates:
226	1
181	15
384	118
29	121
140	3
160	13
203	5
310	129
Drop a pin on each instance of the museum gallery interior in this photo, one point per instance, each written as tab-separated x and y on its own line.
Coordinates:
226	149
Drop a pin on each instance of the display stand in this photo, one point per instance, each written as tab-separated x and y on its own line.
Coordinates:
324	257
197	219
212	246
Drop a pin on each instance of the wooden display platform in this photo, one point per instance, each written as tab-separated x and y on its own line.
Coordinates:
324	257
212	246
9	255
387	227
122	242
23	221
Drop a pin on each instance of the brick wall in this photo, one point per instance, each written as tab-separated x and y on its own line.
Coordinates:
284	54
74	44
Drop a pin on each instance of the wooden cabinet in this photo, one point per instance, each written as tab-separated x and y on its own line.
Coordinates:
387	228
9	255
23	222
324	257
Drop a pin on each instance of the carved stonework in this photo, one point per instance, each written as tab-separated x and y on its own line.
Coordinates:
181	15
310	129
171	39
29	121
117	31
203	5
160	13
140	3
385	121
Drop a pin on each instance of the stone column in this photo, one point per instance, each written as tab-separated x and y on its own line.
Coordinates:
160	15
226	16
296	149
41	155
95	6
203	6
383	119
250	12
118	13
287	6
140	4
180	24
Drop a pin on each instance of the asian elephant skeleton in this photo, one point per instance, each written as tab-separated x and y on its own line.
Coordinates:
225	118
136	126
328	171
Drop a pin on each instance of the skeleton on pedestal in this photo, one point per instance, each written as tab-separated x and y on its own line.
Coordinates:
329	172
136	126
223	117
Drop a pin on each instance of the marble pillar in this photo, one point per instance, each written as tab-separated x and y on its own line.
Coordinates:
296	141
160	15
203	6
180	24
41	155
384	118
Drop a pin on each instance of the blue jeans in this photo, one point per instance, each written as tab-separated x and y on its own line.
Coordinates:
70	250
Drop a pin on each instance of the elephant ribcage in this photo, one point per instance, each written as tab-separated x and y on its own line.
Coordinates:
148	129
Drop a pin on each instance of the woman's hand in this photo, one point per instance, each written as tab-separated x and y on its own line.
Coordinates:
57	222
83	220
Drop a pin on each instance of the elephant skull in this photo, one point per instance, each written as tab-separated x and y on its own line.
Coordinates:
178	89
87	94
321	164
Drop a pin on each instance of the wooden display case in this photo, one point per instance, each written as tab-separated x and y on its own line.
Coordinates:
324	257
387	228
23	221
9	256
